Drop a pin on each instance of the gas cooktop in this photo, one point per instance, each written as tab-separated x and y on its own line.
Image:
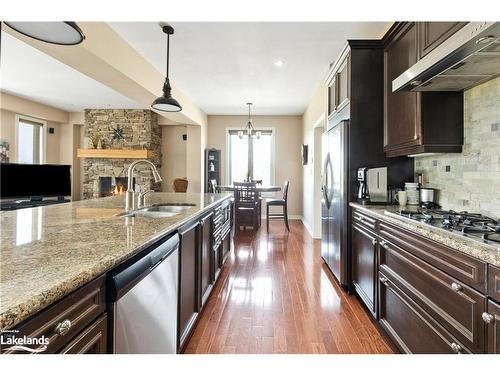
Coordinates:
472	225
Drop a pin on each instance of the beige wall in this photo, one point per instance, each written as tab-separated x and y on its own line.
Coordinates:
287	138
313	122
60	146
173	153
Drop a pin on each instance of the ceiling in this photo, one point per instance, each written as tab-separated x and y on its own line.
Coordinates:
31	74
221	66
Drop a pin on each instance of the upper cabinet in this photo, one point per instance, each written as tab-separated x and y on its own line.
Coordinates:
338	81
416	122
432	34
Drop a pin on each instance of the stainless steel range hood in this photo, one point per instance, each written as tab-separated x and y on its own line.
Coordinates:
469	57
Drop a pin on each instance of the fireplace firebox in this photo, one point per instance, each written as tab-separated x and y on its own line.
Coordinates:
109	186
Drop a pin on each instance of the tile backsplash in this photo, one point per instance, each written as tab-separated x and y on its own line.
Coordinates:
470	181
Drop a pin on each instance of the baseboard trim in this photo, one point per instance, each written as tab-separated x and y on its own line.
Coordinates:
309	229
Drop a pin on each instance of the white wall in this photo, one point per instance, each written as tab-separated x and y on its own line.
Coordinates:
313	118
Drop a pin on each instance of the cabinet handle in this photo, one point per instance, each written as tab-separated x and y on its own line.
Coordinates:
487	317
63	327
457	287
384	280
456	348
374	242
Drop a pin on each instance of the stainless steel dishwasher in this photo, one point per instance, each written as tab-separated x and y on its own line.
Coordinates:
144	301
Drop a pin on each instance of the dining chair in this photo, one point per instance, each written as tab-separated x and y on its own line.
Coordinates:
180	185
259	182
283	202
246	204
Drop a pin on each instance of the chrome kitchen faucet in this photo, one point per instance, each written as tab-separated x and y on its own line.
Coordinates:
129	195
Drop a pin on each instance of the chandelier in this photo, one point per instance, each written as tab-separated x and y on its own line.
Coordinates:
249	131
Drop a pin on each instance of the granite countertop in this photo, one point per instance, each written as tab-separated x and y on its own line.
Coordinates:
47	252
487	253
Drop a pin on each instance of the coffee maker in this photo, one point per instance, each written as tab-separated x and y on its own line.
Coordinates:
363	196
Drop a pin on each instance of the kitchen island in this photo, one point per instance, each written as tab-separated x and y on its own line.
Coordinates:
49	252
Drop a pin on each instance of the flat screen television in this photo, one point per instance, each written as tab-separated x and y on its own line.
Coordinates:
34	180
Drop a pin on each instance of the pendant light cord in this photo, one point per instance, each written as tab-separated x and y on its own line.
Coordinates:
168	51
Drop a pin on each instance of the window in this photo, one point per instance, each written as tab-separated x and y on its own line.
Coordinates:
252	158
30	141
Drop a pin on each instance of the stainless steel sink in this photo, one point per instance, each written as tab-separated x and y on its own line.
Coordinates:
159	210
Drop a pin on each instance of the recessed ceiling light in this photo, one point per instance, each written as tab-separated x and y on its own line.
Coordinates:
279	63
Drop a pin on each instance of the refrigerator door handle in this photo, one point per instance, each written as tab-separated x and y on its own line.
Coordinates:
327	188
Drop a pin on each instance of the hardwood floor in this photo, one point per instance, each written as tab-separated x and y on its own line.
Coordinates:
276	296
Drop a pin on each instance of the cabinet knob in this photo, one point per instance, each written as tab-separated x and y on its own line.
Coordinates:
63	327
456	348
487	317
374	242
457	287
383	243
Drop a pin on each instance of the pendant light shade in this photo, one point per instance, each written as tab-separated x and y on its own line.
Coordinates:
62	33
166	103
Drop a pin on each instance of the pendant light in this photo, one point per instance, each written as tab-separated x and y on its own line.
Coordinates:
62	33
166	103
249	129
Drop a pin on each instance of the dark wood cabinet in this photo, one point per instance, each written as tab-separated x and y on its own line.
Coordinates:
430	298
432	34
212	168
206	278
494	282
188	280
409	326
416	122
492	318
92	340
339	82
454	305
67	318
364	265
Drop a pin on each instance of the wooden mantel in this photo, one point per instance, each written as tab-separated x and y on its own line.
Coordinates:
114	153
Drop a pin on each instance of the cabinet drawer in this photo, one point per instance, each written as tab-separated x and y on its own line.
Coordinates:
410	327
65	319
92	340
452	304
468	270
494	282
361	218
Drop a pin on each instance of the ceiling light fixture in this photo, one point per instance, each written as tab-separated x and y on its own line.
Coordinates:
166	103
249	129
279	63
62	33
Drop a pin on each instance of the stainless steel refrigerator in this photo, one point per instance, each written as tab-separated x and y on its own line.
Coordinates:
334	200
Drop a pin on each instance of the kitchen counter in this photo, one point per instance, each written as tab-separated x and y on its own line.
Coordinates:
48	252
468	246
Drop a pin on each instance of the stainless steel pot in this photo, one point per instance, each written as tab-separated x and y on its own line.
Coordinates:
426	195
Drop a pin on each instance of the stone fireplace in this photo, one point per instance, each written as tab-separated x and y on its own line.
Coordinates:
140	131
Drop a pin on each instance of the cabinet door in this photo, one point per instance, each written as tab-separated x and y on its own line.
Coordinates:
332	96
91	341
364	263
343	84
402	120
410	327
188	284
206	258
492	318
432	34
